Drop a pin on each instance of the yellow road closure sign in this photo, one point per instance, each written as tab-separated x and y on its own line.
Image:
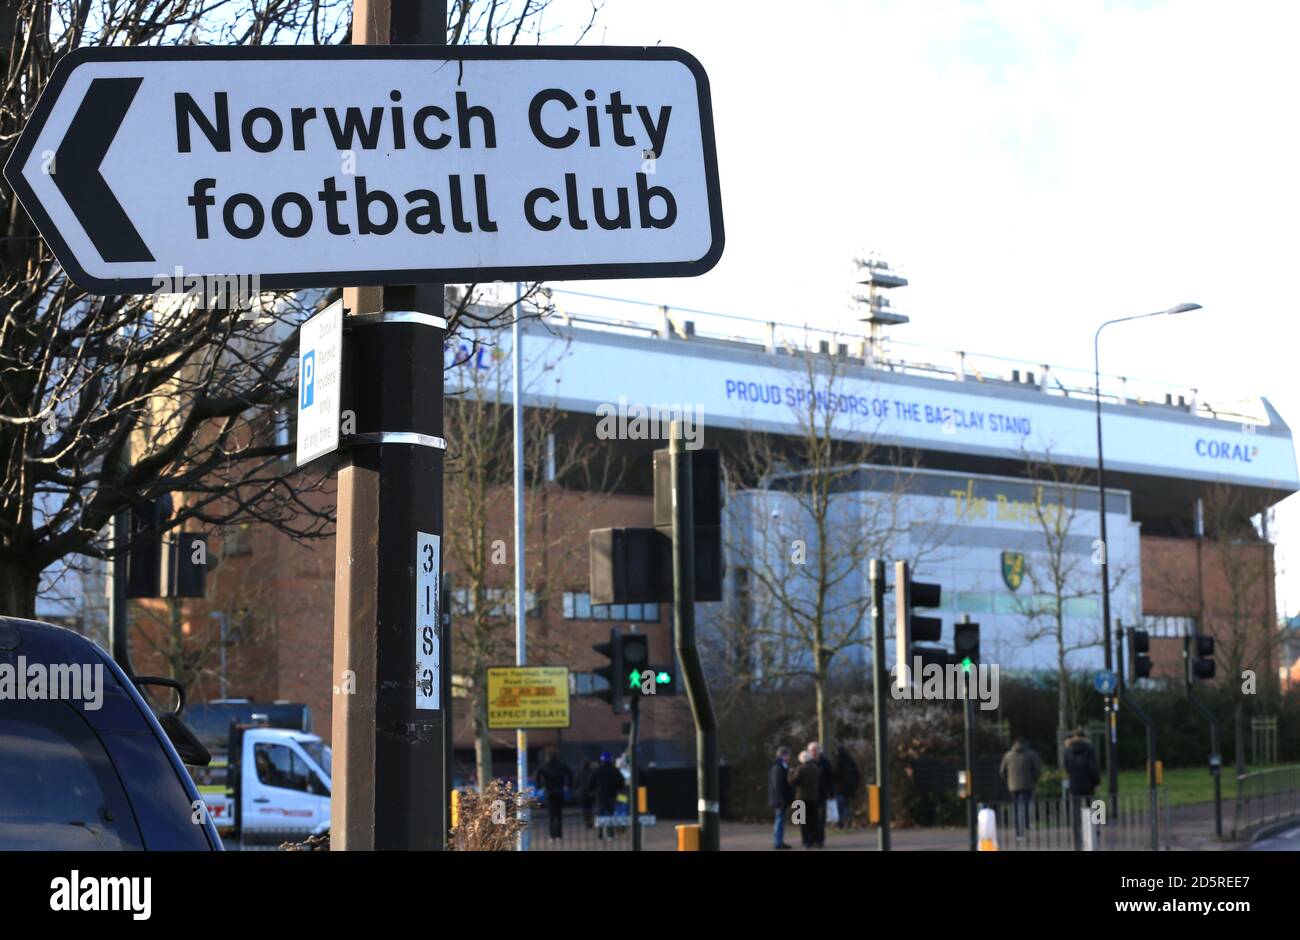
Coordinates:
528	697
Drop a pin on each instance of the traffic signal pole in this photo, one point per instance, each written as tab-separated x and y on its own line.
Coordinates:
389	733
1150	725
634	739
968	708
880	696
697	690
1216	759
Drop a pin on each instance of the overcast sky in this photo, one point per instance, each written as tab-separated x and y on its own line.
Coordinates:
1034	168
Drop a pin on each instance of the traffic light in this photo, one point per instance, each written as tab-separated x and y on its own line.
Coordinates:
1139	646
914	634
706	510
144	562
1200	664
636	659
966	644
623	566
627	653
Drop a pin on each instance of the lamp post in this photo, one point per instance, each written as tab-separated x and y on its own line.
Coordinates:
1111	748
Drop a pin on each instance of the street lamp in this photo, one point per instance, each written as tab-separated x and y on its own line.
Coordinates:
1112	768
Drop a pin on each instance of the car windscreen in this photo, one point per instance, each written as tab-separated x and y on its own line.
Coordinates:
58	788
211	723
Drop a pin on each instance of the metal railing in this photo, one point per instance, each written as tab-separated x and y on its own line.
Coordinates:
642	318
1266	796
577	836
1057	824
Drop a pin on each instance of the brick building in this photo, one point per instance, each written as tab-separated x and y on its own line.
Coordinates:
1192	476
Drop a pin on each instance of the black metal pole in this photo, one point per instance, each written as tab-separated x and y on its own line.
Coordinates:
389	735
968	712
1112	746
880	696
697	690
1216	759
633	739
119	624
1151	767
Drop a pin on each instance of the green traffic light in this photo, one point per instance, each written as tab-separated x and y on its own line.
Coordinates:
633	679
663	678
966	664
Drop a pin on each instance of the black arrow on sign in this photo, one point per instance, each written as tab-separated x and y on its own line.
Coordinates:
76	170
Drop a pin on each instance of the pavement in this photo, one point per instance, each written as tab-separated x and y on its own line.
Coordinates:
1191	828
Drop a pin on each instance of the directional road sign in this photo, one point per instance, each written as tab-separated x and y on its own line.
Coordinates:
1104	681
324	166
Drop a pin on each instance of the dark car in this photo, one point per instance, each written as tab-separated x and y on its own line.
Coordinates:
84	761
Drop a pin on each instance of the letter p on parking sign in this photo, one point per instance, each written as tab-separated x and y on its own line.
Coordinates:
308	378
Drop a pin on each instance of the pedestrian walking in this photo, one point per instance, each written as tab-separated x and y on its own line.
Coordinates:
806	780
1084	775
553	777
779	794
1021	767
606	785
847	778
826	777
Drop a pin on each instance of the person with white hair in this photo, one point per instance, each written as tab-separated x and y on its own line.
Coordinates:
826	776
807	789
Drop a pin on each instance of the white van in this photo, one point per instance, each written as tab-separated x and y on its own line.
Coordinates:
278	786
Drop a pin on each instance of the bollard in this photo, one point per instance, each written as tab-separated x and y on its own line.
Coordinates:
641	800
873	804
455	808
688	837
988	831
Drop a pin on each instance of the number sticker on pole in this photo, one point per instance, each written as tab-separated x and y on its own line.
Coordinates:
428	658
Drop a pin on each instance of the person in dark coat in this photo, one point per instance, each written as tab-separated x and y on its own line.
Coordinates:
1020	770
585	797
847	778
807	783
553	778
606	784
779	794
826	775
1081	767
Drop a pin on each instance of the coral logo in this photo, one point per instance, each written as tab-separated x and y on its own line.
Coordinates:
1223	450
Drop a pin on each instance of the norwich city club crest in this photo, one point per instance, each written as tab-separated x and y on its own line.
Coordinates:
1013	568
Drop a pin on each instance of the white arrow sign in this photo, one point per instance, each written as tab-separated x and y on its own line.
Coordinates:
325	166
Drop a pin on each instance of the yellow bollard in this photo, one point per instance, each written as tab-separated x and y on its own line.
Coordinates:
455	808
873	804
688	837
642	802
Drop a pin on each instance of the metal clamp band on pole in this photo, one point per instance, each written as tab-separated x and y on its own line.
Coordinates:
707	806
395	316
396	437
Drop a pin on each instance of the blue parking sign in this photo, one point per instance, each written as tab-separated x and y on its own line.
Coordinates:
308	378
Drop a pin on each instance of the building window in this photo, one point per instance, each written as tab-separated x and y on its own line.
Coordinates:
500	602
578	606
1169	626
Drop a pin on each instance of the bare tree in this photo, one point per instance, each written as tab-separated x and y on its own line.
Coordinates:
479	533
1228	587
108	402
806	514
1061	575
